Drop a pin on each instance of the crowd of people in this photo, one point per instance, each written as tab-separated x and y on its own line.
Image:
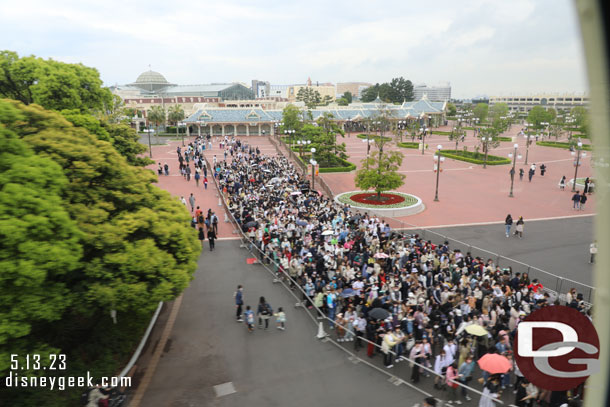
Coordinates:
411	299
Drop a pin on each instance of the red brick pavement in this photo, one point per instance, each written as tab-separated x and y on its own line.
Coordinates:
467	192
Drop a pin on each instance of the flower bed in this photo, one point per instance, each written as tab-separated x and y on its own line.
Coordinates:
392	199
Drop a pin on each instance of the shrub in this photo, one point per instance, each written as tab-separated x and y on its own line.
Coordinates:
475	158
345	166
408	145
561	144
505	139
372	137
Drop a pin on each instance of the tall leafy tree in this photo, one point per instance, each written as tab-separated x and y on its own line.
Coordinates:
380	172
331	129
348	96
176	115
537	116
52	84
157	116
310	96
40	245
292	118
480	111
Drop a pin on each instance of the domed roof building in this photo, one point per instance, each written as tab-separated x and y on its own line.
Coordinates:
151	81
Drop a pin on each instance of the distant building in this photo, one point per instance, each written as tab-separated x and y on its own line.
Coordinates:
557	101
353	87
325	89
437	93
260	88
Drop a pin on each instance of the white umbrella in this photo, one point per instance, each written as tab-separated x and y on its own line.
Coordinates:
296	193
327	232
381	255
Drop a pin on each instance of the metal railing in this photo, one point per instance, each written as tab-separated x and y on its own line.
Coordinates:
398	376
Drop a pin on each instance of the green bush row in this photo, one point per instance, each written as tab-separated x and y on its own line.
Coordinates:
441	133
475	158
561	144
345	167
372	137
505	139
408	145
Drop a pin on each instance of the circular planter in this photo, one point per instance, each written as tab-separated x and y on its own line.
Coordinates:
395	204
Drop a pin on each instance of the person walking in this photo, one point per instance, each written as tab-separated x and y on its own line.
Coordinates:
583	201
211	238
586	190
531	173
166	168
263	312
205	182
389	341
593	251
562	183
183	201
201	236
465	375
519	227
192	202
280	319
576	200
160	169
249	315
197	177
542	169
521	173
508	223
239	302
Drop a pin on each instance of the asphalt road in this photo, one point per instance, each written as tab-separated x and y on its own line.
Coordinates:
267	368
558	246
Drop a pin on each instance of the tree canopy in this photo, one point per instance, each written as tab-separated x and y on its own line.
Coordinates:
310	96
481	111
380	172
115	240
539	115
52	84
397	90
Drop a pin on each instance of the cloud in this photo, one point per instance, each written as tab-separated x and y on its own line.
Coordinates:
480	46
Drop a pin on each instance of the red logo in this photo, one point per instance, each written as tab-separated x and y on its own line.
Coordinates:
556	348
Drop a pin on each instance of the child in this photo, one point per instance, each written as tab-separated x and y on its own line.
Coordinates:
249	319
205	182
280	318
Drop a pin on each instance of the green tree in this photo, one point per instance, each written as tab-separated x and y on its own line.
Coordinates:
310	96
480	111
498	111
451	109
380	172
40	245
331	129
136	243
157	116
348	96
581	119
402	90
292	119
52	84
537	116
342	102
176	115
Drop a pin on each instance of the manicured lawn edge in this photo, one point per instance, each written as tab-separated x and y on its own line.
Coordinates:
561	144
468	156
347	166
372	137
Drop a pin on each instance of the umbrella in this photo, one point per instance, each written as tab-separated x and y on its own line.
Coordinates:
266	170
251	224
296	193
301	222
348	292
378	313
381	255
348	245
327	232
476	330
494	363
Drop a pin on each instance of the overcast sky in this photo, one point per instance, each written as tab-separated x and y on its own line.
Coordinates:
492	47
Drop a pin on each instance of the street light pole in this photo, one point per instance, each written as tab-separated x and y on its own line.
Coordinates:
149	145
485	141
579	148
423	138
512	172
438	158
313	168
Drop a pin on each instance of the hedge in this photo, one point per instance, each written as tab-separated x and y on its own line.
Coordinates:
505	139
440	132
469	157
408	145
561	144
347	166
371	137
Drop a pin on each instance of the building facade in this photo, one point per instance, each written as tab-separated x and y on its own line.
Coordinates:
436	93
557	101
353	87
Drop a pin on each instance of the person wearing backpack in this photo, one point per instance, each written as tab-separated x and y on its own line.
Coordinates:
239	302
264	312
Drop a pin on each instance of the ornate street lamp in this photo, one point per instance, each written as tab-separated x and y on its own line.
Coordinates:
438	158
423	130
313	163
514	156
577	153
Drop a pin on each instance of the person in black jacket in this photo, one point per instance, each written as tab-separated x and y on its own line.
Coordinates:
508	222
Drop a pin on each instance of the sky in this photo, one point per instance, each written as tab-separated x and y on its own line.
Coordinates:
481	47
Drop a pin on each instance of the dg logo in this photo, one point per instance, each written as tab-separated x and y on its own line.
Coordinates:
556	348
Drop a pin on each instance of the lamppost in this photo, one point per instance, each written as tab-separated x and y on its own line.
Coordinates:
149	145
485	141
423	138
368	149
514	156
301	144
437	167
313	163
546	128
527	143
277	126
290	134
577	153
